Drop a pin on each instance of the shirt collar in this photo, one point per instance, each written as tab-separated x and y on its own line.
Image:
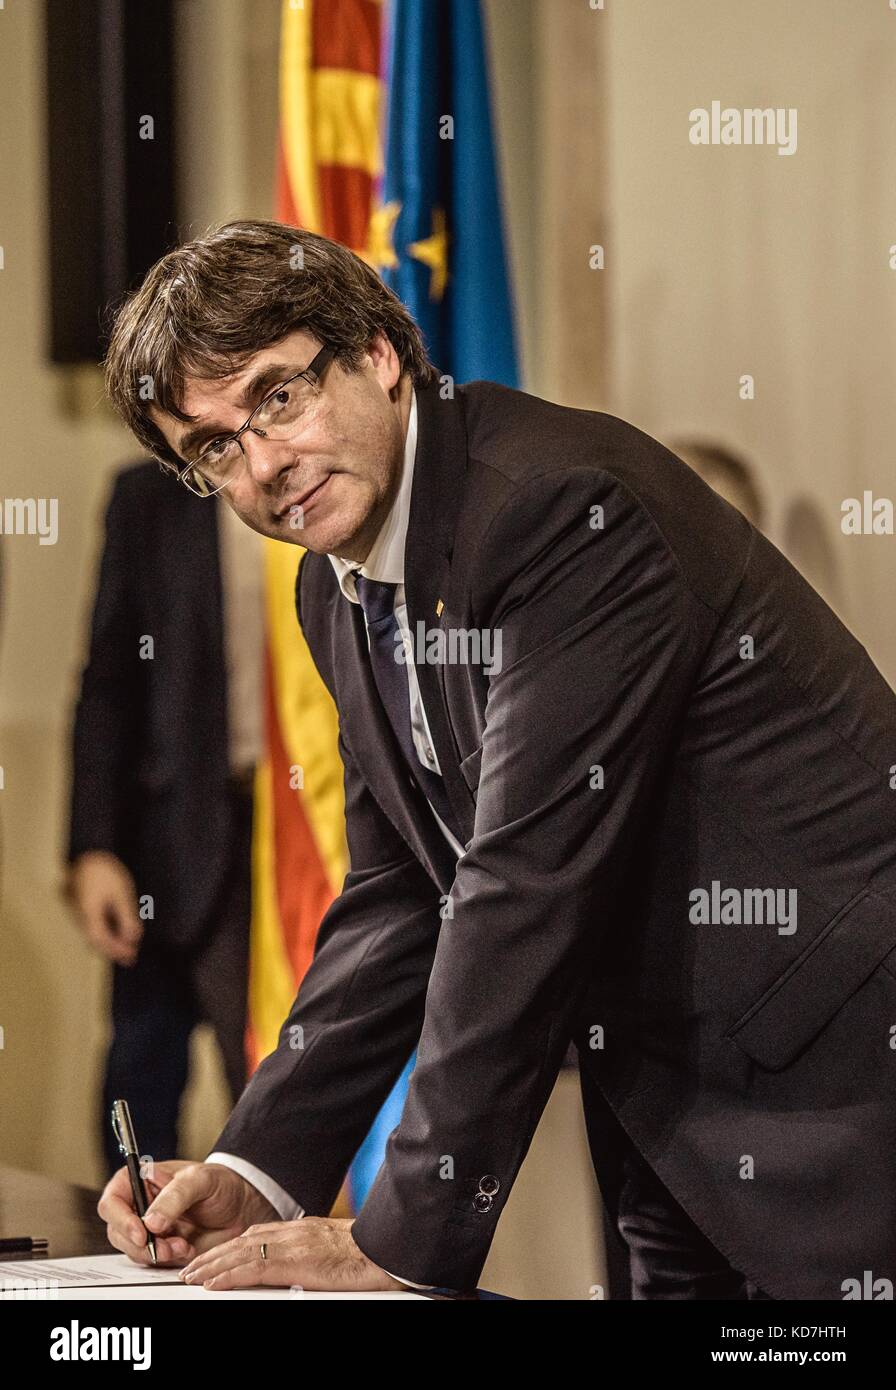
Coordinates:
386	559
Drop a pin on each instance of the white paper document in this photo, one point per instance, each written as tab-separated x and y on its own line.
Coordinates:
116	1277
141	1293
81	1272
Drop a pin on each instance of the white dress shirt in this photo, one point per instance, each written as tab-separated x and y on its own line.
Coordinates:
385	563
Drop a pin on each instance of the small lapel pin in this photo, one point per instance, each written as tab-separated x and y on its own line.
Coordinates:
439	606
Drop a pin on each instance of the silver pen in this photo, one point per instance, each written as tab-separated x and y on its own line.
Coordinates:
127	1142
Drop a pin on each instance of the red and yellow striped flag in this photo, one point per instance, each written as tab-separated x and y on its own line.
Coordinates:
329	158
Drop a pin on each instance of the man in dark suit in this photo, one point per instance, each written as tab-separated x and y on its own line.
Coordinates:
614	773
161	808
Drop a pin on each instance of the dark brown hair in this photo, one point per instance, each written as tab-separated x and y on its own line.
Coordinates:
208	306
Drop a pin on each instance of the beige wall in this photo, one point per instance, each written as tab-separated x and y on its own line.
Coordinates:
731	260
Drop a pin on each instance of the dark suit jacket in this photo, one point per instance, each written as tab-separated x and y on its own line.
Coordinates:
752	1066
149	741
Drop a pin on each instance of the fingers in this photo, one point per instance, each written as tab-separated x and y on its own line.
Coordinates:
116	1204
126	1232
186	1187
103	937
127	920
102	891
239	1264
173	1251
122	1222
250	1275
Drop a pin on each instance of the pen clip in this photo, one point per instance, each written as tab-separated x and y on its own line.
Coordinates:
122	1128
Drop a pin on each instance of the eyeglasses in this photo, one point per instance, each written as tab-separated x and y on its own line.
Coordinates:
282	414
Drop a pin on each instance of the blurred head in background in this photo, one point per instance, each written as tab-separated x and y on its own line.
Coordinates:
727	473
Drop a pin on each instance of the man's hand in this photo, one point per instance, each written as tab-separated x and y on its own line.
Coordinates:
195	1206
102	893
314	1252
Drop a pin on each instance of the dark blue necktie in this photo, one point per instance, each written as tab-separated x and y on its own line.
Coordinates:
391	678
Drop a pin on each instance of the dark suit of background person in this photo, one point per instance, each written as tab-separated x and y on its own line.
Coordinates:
162	760
738	1082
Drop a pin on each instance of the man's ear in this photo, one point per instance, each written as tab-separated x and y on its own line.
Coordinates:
384	360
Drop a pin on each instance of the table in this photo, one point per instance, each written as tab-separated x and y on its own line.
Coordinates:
63	1212
33	1205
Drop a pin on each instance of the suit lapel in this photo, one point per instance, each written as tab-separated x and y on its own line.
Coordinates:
439	476
377	753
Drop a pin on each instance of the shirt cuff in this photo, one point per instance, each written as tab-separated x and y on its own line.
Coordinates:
410	1284
284	1205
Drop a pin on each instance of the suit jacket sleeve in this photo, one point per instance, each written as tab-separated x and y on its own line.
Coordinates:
108	709
356	1018
598	657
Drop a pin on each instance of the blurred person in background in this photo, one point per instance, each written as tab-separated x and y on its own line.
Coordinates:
166	733
805	539
727	473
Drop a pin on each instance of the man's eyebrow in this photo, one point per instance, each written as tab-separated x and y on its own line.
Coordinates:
255	388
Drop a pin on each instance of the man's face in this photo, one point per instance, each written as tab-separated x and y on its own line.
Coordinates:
329	487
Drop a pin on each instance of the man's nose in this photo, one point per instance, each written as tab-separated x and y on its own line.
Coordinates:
265	458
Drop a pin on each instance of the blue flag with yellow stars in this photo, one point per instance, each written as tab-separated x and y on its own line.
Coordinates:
437	235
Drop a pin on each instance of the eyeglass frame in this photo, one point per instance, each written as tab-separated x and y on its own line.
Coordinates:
312	374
